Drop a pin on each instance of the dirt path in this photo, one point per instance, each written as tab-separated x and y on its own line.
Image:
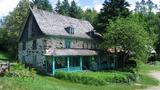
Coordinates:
155	74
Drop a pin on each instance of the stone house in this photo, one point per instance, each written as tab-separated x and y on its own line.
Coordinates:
51	42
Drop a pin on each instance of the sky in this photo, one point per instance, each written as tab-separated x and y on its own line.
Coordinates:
7	6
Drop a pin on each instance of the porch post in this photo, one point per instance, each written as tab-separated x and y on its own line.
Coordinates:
81	62
53	66
68	63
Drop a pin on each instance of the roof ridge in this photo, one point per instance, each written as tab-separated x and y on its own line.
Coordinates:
59	14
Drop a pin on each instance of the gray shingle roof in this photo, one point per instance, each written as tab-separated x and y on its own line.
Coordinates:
51	23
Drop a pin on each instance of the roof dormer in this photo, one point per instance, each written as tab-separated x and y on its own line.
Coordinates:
70	29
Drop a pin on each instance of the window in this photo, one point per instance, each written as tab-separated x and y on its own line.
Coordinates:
67	43
24	45
70	30
34	44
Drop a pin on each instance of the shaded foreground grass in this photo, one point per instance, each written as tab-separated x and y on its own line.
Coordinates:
3	55
50	83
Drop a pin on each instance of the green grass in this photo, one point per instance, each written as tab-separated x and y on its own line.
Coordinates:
145	68
3	55
51	83
148	81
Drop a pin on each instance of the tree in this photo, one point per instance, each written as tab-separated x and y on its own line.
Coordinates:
75	11
12	25
65	8
91	16
42	4
58	7
145	7
130	34
110	11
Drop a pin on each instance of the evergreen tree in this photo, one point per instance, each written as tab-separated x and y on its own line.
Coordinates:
75	11
91	16
110	11
65	8
42	4
58	7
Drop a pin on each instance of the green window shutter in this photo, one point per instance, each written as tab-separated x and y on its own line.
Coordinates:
67	43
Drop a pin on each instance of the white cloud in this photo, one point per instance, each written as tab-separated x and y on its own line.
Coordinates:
7	6
85	7
98	7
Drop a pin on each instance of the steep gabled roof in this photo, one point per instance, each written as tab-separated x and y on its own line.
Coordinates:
54	24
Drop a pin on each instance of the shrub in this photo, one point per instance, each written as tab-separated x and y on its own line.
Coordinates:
96	78
19	70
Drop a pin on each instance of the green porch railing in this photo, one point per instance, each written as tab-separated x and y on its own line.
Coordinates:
71	69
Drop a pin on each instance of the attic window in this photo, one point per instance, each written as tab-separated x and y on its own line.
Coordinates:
70	29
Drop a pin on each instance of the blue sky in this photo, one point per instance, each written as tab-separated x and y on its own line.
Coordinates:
7	6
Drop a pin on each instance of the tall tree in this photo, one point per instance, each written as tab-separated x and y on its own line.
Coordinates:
75	11
65	8
58	7
42	4
110	11
12	25
146	10
145	7
90	15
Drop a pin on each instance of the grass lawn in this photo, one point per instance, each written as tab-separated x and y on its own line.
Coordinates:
144	68
51	83
3	55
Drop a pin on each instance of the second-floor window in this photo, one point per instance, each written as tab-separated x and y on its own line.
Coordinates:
70	29
34	44
67	43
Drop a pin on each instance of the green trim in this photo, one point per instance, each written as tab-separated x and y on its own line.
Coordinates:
68	63
53	66
68	43
81	62
68	36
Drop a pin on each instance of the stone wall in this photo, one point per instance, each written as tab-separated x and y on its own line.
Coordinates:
53	42
32	57
36	57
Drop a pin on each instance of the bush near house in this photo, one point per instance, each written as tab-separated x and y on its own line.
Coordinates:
97	78
19	70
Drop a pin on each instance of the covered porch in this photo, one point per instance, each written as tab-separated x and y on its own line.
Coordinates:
69	60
